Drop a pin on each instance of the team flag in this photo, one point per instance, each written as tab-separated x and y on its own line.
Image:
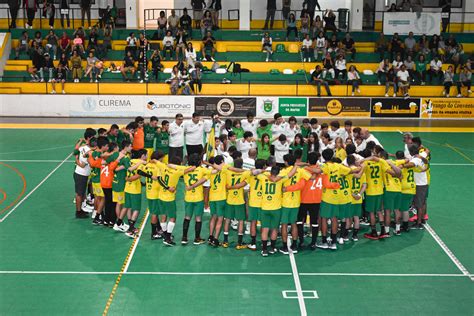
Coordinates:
211	143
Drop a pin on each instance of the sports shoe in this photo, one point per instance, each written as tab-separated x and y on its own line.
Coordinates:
184	241
384	235
355	237
333	246
96	221
312	246
209	240
252	247
94	212
322	245
418	226
272	250
364	221
283	250
82	214
241	246
397	233
264	253
197	241
130	234
158	235
372	236
119	228
267	60
304	60
459	95
425	217
294	248
414	218
215	243
340	241
169	242
225	244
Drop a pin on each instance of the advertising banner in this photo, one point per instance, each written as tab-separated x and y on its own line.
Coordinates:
267	106
169	106
293	106
405	22
395	107
227	106
339	107
447	108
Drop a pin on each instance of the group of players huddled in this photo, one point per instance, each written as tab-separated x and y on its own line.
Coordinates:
277	175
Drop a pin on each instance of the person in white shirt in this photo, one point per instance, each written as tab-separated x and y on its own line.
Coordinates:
315	127
279	126
267	46
321	45
368	137
347	133
408	140
436	69
176	138
292	129
307	48
353	79
168	45
250	124
336	131
282	148
194	130
190	55
82	171
325	142
340	67
404	80
245	144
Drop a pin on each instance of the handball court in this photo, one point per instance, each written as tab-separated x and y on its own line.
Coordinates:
52	263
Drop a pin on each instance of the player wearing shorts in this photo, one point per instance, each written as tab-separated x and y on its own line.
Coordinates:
82	170
162	140
357	186
291	203
133	190
272	189
392	194
426	153
194	198
235	203
149	134
344	203
255	203
217	199
118	186
408	192
102	147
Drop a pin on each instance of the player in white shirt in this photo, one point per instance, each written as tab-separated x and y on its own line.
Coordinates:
279	126
176	138
407	139
194	130
282	147
292	129
250	124
245	144
82	171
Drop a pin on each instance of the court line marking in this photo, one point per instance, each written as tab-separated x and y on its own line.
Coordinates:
427	275
32	160
126	263
296	278
314	294
35	150
34	189
460	153
448	251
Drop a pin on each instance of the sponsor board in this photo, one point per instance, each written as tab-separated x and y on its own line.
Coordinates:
339	107
293	106
267	106
103	105
395	107
227	106
447	108
169	106
405	22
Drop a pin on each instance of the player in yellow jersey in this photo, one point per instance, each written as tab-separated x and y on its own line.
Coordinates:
408	193
133	190
330	204
235	203
194	198
272	189
217	199
392	193
291	203
255	203
357	186
344	203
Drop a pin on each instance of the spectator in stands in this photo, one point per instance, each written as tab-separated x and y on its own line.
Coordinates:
173	22
181	44
317	25
420	69
48	66
76	65
107	41
78	44
464	81
436	70
433	44
174	80
90	67
381	46
340	67
49	11
453	51
271	9
30	6
393	8
442	48
353	78
208	43
14	6
445	14
156	64
328	66
64	60
307	48
143	43
403	81
38	39
285	8
348	45
391	80
190	54
416	6
93	39
196	77
162	25
424	45
330	21
320	46
64	12
404	6
128	66
37	60
311	7
64	44
168	45
267	46
291	26
397	63
185	22
216	6
305	21
103	7
52	44
448	79
410	67
198	5
410	45
23	44
333	45
382	70
60	77
86	10
132	44
206	23
395	46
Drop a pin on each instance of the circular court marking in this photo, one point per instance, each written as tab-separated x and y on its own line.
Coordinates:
3	194
20	195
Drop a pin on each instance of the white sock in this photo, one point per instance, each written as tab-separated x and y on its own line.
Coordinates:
387	229
170	227
163	226
397	226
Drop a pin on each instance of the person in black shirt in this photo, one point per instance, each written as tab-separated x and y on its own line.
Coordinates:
197	5
330	21
61	75
391	81
317	79
156	64
185	23
333	45
311	7
48	66
328	66
196	76
445	13
128	66
271	8
348	45
208	45
14	6
64	12
38	62
85	9
93	37
396	46
217	6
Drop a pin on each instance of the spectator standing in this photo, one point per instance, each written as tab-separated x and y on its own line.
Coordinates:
464	81
196	78
445	14
417	7
185	22
30	6
317	79
14	6
381	46
285	9
448	79
271	9
216	6
162	25
60	77
86	10
267	46
330	21
403	81
104	5
197	5
353	78
49	10
311	7
64	12
176	137
173	22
